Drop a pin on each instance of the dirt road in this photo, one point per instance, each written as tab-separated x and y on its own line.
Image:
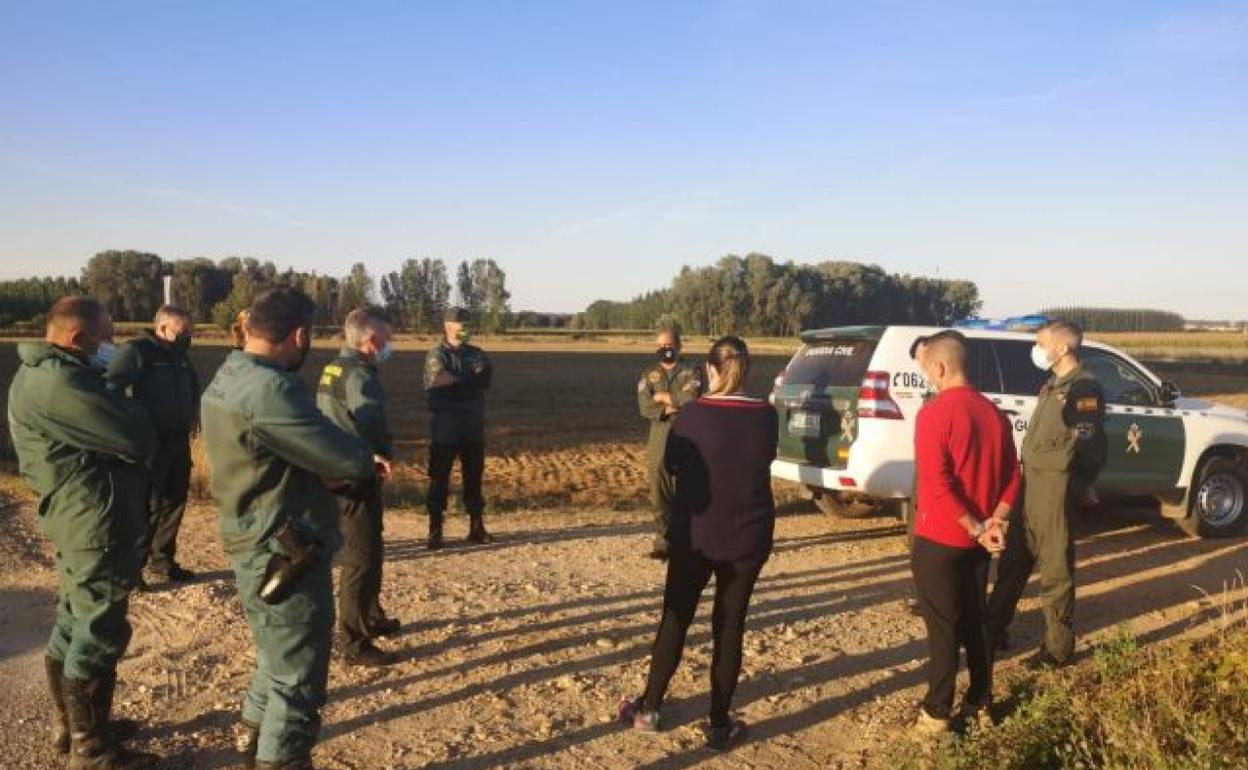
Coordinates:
516	653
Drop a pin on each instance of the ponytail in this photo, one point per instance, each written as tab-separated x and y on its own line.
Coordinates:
731	360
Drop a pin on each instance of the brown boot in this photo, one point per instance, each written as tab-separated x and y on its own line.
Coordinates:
246	741
303	763
476	531
60	723
90	745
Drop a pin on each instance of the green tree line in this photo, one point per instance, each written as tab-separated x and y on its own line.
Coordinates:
757	295
1109	319
131	284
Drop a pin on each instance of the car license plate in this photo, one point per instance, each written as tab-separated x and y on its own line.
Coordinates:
804	422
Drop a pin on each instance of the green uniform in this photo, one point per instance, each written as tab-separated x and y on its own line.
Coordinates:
684	382
349	393
456	378
269	450
84	450
158	374
1063	451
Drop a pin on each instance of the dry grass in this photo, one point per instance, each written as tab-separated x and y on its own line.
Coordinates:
1205	345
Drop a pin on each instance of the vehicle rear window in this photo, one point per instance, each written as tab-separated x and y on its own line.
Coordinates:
1021	376
823	364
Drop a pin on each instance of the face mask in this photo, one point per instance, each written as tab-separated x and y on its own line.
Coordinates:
384	354
104	354
182	342
303	356
668	354
1040	358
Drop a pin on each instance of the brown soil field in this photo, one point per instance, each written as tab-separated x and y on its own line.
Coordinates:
515	654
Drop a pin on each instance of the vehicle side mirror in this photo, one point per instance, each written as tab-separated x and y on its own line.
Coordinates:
1170	393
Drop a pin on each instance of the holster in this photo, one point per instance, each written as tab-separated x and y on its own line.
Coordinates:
359	491
284	570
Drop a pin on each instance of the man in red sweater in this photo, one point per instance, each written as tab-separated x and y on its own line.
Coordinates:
967	471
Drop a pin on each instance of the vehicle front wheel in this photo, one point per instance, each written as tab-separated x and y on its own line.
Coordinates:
846	506
1218	500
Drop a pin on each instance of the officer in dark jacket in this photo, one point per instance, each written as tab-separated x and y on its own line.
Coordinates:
271	454
456	377
349	393
1063	453
667	386
155	370
84	451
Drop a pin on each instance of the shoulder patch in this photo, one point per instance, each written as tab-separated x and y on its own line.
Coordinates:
1086	404
653	377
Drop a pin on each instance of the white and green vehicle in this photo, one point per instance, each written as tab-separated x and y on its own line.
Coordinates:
848	398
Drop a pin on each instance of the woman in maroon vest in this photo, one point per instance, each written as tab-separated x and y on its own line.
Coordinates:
723	516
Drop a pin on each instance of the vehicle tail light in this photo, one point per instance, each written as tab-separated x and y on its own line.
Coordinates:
848	482
874	400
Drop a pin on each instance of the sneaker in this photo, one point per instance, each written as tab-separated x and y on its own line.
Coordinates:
370	657
631	712
385	627
927	726
725	737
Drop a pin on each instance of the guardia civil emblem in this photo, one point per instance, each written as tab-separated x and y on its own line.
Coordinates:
1134	434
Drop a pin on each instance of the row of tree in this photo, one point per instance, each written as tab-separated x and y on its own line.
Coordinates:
757	295
1109	319
131	285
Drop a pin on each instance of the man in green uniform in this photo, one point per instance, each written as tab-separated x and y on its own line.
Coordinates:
1063	452
272	454
84	451
457	375
664	388
349	393
154	369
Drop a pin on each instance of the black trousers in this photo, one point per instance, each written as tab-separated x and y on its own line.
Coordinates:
171	480
951	584
442	458
361	559
687	575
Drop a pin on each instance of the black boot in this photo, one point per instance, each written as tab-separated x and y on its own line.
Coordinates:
476	531
303	763
435	531
90	745
60	723
118	729
246	741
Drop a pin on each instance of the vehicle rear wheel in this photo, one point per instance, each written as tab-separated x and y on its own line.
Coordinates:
1219	500
846	506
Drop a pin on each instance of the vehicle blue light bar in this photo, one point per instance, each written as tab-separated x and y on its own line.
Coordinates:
1020	323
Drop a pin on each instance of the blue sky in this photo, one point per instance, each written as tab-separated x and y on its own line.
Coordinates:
1052	152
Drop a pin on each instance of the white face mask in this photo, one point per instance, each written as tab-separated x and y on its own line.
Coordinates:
104	354
1040	358
384	354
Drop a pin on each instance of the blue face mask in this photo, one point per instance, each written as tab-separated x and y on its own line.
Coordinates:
104	355
384	354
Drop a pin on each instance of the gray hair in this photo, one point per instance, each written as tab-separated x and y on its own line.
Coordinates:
361	322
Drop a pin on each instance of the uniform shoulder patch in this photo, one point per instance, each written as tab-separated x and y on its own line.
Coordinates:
653	377
1087	404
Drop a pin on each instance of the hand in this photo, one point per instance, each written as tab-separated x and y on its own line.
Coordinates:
663	398
993	538
382	466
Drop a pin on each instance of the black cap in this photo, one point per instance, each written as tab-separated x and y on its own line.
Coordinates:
457	315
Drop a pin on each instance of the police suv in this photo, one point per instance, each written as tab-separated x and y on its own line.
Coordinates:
848	399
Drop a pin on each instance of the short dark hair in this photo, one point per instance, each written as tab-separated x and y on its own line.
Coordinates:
1068	331
75	312
276	313
944	334
671	327
170	311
